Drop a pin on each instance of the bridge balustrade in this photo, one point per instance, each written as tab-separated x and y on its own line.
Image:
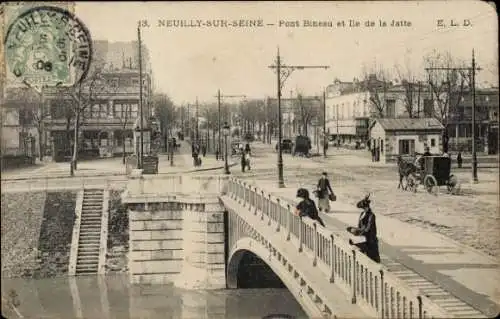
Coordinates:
370	285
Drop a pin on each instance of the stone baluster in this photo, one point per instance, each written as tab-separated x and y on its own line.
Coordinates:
332	258
264	205
289	218
315	244
382	295
258	201
354	277
278	214
269	210
301	235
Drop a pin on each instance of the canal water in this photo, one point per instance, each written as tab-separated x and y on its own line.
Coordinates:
113	297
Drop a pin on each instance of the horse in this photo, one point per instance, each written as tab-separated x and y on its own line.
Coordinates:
405	169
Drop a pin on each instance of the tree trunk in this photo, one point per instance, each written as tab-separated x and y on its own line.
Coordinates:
73	163
40	145
123	143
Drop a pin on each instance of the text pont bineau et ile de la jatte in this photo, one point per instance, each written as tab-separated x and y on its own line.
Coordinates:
349	23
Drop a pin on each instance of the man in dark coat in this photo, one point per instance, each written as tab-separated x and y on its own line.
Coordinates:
367	227
307	207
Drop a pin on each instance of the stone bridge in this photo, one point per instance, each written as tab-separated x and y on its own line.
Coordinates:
202	228
327	276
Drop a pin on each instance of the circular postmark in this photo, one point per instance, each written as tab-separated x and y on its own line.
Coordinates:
47	46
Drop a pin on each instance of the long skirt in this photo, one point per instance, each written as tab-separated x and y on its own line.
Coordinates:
324	204
370	249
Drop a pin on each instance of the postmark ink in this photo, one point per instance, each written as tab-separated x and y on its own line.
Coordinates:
47	46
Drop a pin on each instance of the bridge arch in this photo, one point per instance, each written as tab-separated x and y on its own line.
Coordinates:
248	244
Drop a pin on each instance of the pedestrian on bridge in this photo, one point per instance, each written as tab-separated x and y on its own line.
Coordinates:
307	207
324	192
367	227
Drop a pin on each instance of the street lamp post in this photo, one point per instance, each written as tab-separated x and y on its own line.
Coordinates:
226	130
325	140
219	97
283	72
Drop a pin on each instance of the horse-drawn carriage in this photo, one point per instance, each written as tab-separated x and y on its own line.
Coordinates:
432	172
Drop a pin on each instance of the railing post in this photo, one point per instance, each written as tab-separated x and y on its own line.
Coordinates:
244	194
354	277
257	201
382	294
332	258
289	218
264	205
269	210
420	310
301	234
315	245
278	215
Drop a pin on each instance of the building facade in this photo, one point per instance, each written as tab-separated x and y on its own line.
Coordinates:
107	122
20	113
390	138
460	122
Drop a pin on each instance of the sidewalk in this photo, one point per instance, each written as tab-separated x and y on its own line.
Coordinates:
466	273
183	163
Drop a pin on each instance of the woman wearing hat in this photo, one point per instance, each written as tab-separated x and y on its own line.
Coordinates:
324	190
367	227
307	207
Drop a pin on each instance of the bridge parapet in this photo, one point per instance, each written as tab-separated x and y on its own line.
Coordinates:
370	285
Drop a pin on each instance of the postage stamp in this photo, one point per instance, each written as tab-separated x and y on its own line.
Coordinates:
46	46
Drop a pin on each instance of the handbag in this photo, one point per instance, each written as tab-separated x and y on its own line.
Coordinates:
332	197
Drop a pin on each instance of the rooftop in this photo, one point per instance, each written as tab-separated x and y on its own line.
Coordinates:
402	124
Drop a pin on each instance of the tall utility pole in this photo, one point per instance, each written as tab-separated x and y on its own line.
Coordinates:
472	81
474	155
219	97
189	124
325	141
197	137
418	100
283	72
140	162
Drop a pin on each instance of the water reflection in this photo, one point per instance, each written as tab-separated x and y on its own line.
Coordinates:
113	297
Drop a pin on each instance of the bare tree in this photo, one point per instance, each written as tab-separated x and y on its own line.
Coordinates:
32	111
409	83
77	99
447	87
308	110
165	111
124	118
376	81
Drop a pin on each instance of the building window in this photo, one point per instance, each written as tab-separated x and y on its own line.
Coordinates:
406	147
135	82
25	117
390	108
433	142
114	82
428	109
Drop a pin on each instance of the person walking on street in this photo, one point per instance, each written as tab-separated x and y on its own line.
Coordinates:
367	227
307	207
204	150
243	162
459	159
324	190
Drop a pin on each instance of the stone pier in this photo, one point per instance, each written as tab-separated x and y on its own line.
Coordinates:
176	230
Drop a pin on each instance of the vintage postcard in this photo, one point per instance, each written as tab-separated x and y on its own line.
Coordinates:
302	159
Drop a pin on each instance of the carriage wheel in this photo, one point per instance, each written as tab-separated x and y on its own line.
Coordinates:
431	184
453	185
411	183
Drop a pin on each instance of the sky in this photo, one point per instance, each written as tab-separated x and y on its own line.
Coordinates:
190	62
